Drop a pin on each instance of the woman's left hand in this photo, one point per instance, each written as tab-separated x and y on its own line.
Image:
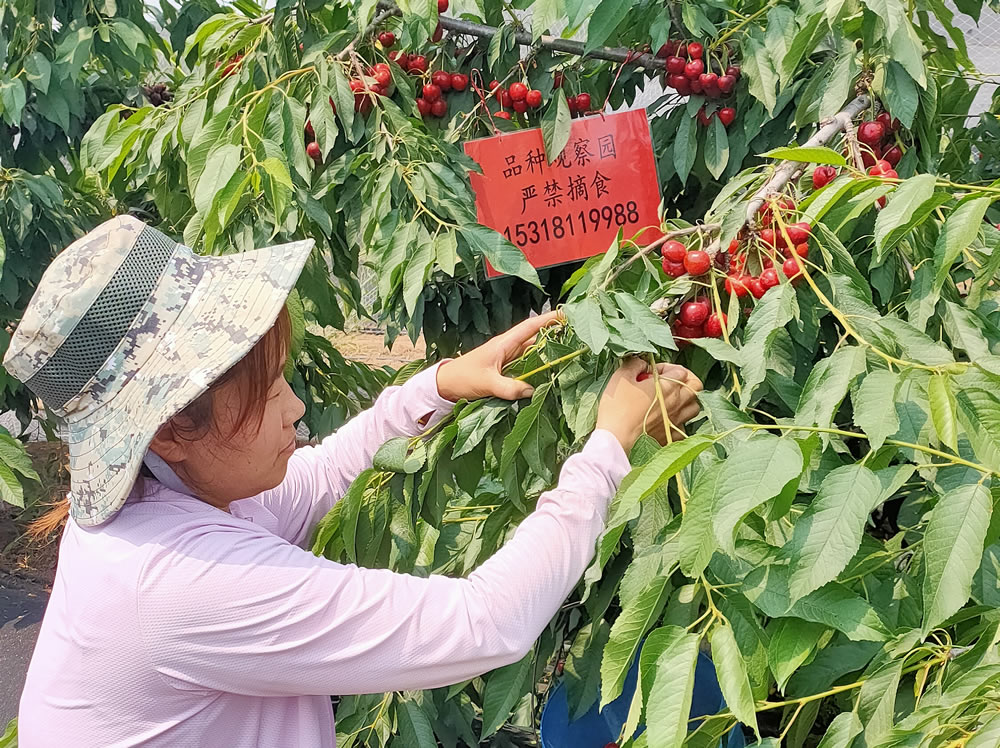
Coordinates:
478	373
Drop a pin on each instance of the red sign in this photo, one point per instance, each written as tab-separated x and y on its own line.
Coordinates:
603	181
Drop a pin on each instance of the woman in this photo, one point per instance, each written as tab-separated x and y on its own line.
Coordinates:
185	610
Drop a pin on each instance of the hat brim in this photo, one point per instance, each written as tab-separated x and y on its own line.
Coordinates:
235	302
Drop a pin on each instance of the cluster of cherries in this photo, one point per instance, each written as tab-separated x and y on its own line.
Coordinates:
694	320
231	64
431	101
158	94
878	136
688	74
518	97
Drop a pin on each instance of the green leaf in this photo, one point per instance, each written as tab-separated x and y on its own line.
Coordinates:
343	97
829	532
418	268
810	155
793	641
953	550
986	736
685	146
968	330
582	670
12	98
832	605
544	15
526	419
604	21
876	702
769	317
942	403
756	470
979	413
958	232
278	171
760	72
697	541
637	617
670	694
38	71
716	148
732	674
474	426
502	255
504	688
11	489
555	124
587	321
875	406
653	327
842	731
911	204
221	164
827	386
899	93
414	725
642	482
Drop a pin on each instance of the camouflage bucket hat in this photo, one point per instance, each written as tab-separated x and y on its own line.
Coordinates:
126	328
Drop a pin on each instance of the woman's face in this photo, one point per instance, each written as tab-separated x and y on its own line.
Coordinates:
222	468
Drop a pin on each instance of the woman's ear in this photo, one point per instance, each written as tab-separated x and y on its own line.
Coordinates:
168	445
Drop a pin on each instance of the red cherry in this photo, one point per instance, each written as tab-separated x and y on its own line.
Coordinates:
505	99
768	236
802	250
675	65
673	269
557	79
687	331
571	103
714	325
494	85
868	158
708	80
694	69
442	80
667	50
520	106
704	119
734	285
518	91
733	71
696	86
383	78
727	115
791	269
798	232
313	152
871	133
423	106
502	115
891	174
534	98
756	288
681	84
880	202
439	107
727	83
682	50
733	246
693	313
438	33
418	64
697	262
583	102
894	155
442	6
387	39
674	251
310	132
459	81
769	278
432	92
885	119
695	50
822	176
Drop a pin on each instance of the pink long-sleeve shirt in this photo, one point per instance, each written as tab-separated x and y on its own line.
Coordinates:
178	624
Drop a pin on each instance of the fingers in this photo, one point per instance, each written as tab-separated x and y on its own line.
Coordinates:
507	388
526	330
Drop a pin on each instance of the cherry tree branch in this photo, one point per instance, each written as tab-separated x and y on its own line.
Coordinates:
566	46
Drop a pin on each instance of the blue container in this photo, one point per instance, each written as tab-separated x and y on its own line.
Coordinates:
597	728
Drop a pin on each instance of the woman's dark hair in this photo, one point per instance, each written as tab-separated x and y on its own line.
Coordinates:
254	374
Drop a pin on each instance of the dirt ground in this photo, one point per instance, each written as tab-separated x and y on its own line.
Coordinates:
33	558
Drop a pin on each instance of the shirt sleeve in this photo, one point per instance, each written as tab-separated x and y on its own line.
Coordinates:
319	476
244	612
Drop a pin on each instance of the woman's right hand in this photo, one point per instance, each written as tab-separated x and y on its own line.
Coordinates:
629	406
